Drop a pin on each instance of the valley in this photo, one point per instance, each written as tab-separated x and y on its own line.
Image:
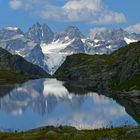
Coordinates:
66	75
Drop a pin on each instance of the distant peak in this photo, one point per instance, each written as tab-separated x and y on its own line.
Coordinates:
40	33
121	29
12	28
72	28
15	30
71	32
74	31
38	25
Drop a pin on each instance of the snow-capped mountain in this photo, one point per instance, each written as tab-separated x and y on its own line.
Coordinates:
109	40
39	33
115	34
41	46
71	31
10	33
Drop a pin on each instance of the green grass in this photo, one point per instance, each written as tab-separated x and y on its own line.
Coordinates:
70	133
118	71
11	77
131	84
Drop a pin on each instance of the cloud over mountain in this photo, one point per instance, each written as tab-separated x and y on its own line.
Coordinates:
91	11
134	28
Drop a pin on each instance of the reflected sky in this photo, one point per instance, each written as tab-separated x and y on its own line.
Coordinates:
44	102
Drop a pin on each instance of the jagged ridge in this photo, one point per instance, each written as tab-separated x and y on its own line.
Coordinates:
47	49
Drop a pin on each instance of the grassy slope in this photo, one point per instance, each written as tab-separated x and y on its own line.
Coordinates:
70	133
14	68
128	67
121	70
13	77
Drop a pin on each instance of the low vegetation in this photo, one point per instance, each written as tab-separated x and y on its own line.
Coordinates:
118	71
70	133
10	77
14	68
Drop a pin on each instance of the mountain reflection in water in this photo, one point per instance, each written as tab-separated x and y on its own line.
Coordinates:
44	102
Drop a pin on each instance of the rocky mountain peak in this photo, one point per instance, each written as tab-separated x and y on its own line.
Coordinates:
111	34
40	33
71	32
9	32
40	46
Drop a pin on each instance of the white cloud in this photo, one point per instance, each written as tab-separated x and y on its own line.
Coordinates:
15	4
82	10
51	12
133	28
107	17
91	11
27	4
94	5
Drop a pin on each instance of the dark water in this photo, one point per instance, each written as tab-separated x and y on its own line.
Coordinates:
44	102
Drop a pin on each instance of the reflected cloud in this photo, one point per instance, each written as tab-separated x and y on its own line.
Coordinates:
47	102
56	88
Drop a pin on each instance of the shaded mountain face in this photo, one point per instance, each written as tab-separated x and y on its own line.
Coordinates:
118	71
40	33
41	46
15	63
114	35
108	35
70	32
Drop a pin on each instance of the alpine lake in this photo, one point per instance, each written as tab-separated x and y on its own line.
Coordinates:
45	102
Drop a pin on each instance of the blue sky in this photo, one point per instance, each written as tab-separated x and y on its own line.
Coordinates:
86	14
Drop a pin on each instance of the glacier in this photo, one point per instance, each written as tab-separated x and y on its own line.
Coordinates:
53	56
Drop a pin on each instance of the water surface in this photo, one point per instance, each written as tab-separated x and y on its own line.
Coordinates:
44	102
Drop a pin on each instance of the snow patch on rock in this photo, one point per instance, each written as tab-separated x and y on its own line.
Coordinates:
53	57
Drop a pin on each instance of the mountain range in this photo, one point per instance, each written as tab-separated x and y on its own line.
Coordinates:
48	49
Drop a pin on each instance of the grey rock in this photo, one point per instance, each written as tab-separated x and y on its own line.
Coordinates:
72	32
76	46
133	133
7	34
40	33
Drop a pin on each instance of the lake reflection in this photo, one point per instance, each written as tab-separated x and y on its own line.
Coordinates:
44	102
